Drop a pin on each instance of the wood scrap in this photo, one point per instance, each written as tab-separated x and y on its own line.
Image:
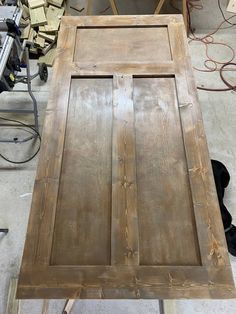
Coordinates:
47	37
40	24
25	32
53	16
37	16
57	3
36	3
32	35
39	41
25	12
47	47
49	58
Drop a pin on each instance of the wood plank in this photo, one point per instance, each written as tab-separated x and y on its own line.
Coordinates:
68	306
125	20
86	164
114	7
39	41
25	12
135	68
37	16
57	3
12	302
25	32
47	37
36	3
211	240
159	6
53	16
124	246
167	307
49	58
45	306
47	178
151	281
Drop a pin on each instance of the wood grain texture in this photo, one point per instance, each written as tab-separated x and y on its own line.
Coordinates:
125	238
123	44
82	225
124	203
166	216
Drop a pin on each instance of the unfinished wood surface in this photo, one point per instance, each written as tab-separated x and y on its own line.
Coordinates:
128	45
114	7
159	6
57	3
49	57
36	3
12	302
124	203
37	17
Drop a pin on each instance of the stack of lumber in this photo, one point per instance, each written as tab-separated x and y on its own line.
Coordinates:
40	23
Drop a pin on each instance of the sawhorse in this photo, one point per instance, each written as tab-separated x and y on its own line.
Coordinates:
157	10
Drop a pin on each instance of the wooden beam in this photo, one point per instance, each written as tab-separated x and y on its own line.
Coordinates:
12	302
89	7
114	7
45	306
159	6
124	228
68	306
167	307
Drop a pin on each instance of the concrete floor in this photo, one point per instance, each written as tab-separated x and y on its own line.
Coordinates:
16	184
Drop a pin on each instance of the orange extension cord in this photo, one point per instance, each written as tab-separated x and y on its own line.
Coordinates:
210	64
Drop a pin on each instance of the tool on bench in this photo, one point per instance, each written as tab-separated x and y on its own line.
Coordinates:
14	56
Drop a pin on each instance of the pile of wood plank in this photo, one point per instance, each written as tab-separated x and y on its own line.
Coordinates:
40	24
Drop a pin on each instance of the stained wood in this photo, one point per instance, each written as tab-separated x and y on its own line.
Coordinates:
128	45
124	203
86	165
125	237
165	208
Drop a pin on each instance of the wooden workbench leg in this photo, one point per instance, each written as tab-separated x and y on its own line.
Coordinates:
12	302
185	13
167	307
159	6
89	7
114	7
68	306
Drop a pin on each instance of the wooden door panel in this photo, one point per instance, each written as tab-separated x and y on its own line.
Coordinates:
148	44
84	201
165	208
124	203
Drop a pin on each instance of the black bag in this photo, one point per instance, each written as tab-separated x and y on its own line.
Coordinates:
222	178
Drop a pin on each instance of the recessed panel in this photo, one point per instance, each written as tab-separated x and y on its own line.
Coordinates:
82	226
142	44
167	232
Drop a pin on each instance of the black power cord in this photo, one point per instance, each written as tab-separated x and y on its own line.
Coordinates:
219	5
35	132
